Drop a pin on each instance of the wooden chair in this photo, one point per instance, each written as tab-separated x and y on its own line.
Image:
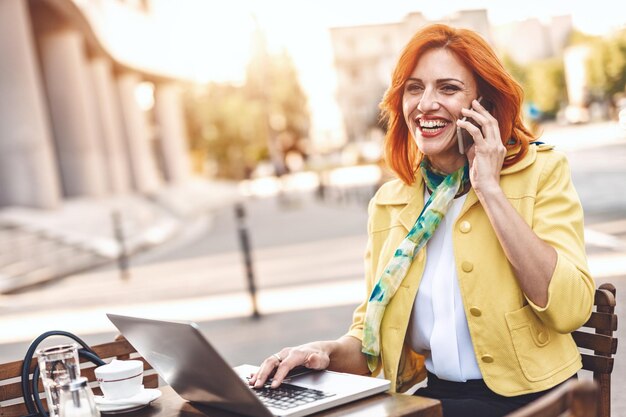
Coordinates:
599	346
597	349
575	398
12	403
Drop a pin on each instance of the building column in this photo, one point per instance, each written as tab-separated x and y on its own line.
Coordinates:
74	122
142	163
172	132
28	175
110	127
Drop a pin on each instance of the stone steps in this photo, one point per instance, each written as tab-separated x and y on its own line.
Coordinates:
28	258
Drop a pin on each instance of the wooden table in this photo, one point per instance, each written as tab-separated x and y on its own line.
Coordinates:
381	405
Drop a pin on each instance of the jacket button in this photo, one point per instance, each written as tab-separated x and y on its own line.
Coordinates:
465	227
475	311
487	358
467	266
542	337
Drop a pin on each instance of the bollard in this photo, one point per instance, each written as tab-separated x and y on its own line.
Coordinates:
122	257
244	241
321	186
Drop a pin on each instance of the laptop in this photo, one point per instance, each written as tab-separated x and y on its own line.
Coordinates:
185	359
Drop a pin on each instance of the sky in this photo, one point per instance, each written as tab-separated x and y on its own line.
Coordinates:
302	26
221	33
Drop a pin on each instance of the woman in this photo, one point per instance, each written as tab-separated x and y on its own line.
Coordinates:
475	265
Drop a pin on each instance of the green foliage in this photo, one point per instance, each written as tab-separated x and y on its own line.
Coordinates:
543	82
606	65
223	124
580	38
231	126
518	71
286	98
545	85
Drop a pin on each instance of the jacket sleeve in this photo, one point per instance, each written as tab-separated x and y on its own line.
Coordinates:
358	317
558	220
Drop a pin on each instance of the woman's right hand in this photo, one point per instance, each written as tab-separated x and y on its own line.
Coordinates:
314	355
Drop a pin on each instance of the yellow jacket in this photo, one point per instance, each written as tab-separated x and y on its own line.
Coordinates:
520	347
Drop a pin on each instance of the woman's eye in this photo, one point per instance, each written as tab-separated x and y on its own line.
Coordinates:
414	88
448	88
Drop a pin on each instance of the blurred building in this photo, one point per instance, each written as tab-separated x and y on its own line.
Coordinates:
364	59
81	114
531	39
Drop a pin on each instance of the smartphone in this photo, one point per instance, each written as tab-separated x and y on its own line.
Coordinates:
463	137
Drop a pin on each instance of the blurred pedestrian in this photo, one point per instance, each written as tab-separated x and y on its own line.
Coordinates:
475	267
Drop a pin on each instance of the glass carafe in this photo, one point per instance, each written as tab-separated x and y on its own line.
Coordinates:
76	400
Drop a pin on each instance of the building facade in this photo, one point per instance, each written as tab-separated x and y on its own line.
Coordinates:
532	40
71	120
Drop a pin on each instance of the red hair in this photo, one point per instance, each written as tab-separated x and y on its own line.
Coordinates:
493	81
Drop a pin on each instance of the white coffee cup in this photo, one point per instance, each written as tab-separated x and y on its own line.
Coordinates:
120	379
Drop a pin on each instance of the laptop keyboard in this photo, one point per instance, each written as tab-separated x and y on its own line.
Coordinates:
288	396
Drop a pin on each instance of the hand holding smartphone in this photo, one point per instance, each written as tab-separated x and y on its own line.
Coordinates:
462	135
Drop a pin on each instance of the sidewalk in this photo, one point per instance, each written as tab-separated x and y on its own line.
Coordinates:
39	246
145	221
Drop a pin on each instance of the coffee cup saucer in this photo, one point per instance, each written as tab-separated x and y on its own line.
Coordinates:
140	400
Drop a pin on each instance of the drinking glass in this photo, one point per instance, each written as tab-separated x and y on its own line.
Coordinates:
58	365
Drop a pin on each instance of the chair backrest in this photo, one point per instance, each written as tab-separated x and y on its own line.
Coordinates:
12	403
575	398
599	346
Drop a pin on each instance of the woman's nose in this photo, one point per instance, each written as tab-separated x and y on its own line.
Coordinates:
428	102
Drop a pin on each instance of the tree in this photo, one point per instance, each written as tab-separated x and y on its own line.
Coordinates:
222	125
272	82
518	71
545	85
606	65
543	82
234	127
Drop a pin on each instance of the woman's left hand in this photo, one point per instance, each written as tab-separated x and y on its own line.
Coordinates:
486	154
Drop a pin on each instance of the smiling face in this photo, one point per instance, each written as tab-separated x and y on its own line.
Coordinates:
434	94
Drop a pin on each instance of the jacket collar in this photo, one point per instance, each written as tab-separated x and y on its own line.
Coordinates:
528	160
396	193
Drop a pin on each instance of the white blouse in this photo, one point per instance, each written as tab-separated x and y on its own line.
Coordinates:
438	326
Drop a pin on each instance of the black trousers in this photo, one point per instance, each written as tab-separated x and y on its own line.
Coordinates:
473	398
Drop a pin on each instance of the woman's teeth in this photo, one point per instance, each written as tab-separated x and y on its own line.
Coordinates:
432	126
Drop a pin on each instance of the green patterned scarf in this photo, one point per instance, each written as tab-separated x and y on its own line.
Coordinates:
445	189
